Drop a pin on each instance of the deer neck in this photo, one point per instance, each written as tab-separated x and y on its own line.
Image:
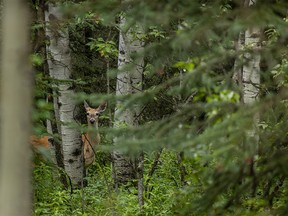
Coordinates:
93	133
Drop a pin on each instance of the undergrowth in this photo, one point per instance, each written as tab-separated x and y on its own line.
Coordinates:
99	197
165	192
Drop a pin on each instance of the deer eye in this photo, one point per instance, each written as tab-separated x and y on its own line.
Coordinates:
87	114
97	114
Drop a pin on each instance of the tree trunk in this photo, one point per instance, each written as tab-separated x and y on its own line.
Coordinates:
59	62
128	82
247	72
16	107
39	47
251	76
140	179
248	77
56	149
251	70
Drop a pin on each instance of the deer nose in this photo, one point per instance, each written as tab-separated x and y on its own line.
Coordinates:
92	121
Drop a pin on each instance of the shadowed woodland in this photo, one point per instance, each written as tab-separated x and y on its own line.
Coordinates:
143	107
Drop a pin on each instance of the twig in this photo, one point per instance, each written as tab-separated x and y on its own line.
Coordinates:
153	169
140	171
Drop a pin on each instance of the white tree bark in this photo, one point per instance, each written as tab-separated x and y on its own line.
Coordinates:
247	73
129	81
16	107
59	62
251	78
251	70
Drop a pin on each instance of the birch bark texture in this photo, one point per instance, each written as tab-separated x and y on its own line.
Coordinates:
16	108
248	71
59	62
247	74
129	81
251	70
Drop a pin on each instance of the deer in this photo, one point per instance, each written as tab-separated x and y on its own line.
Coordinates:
91	139
39	142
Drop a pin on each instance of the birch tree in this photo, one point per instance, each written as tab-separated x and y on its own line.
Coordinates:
59	61
248	76
129	81
248	72
16	107
251	70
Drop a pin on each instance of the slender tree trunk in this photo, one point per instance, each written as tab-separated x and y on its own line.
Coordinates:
247	69
248	77
39	47
56	149
251	75
16	107
128	82
140	179
59	62
251	84
251	70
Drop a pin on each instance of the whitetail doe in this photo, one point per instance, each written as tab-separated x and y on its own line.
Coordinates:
92	138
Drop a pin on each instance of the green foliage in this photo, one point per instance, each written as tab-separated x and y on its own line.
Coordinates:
36	60
190	103
48	195
99	199
105	48
156	33
186	66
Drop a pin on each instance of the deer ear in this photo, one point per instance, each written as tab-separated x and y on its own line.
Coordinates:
102	107
86	105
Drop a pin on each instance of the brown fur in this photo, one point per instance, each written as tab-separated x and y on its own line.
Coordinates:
39	142
90	140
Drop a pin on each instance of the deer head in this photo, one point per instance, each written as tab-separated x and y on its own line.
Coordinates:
93	114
